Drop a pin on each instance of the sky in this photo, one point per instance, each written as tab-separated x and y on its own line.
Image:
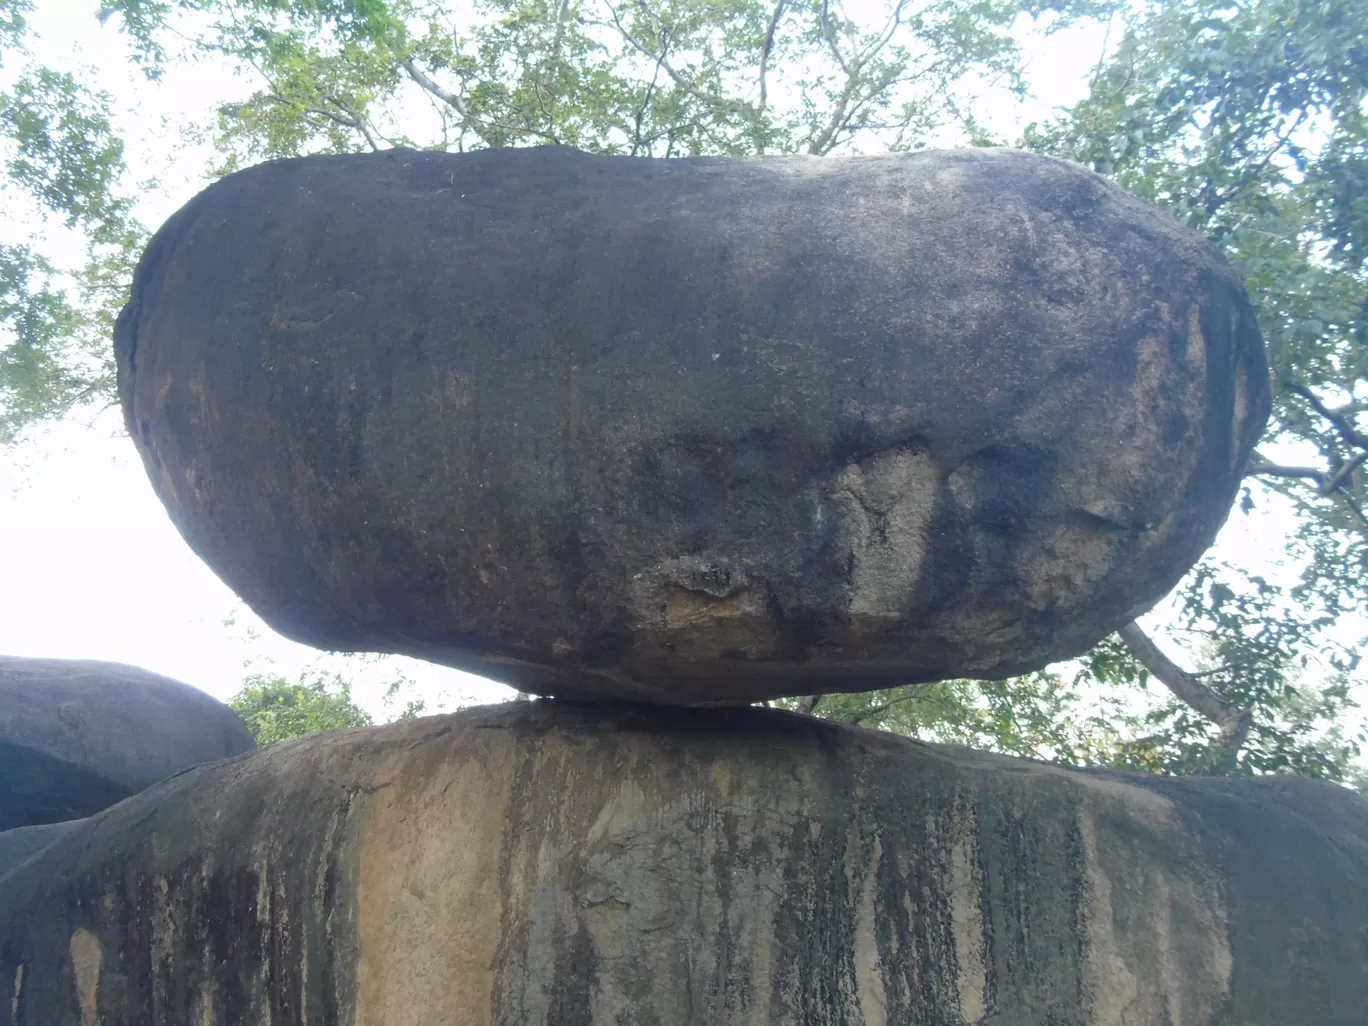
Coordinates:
92	566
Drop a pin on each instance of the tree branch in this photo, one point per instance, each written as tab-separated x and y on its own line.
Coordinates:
638	143
358	122
1222	198
830	37
659	58
807	704
875	711
1278	470
346	119
1233	722
424	80
885	35
1343	473
1347	430
768	49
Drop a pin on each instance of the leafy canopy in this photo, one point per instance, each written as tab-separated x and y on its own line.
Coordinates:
276	709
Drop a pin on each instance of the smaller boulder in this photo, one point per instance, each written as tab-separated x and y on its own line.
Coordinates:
77	736
22	843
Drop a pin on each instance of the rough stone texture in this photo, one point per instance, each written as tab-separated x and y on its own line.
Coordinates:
545	863
21	843
695	430
77	736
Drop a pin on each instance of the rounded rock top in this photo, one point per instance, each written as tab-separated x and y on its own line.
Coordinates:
701	430
77	735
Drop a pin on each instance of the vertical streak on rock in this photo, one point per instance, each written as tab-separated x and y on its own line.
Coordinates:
18	990
429	886
1171	990
1107	981
886	504
86	960
869	975
966	910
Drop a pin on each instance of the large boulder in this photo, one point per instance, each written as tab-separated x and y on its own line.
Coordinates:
544	864
77	736
691	431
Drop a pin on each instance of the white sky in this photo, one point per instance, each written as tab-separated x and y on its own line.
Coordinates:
92	567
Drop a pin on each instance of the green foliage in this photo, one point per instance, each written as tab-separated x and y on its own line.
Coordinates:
36	372
1038	716
276	709
61	157
63	149
1261	654
663	78
13	24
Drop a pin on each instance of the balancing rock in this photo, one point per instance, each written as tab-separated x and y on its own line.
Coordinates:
77	736
691	431
592	865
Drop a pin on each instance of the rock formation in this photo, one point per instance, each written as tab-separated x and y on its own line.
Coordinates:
547	864
696	431
691	431
78	736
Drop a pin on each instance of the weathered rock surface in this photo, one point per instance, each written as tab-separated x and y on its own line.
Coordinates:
22	843
77	736
692	430
544	863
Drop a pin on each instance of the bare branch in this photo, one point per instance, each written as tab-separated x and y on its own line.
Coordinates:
875	711
358	122
830	37
659	58
1102	57
481	128
885	35
346	119
1233	722
826	138
453	100
850	100
1342	475
1343	425
768	49
807	704
1277	470
1355	507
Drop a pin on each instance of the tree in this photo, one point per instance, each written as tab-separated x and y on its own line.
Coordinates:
62	161
276	709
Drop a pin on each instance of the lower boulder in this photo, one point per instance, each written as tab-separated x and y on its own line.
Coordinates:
77	736
548	863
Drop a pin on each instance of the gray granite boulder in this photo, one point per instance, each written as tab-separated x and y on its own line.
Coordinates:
561	865
691	431
77	736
